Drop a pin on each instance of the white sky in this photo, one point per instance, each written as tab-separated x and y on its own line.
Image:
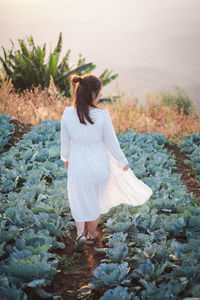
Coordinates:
151	44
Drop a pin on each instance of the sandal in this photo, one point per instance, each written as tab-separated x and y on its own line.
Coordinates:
80	243
92	241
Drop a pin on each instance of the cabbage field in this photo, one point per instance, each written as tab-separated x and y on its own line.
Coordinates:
6	130
153	251
191	146
34	212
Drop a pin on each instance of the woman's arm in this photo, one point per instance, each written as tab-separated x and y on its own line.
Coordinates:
65	141
112	142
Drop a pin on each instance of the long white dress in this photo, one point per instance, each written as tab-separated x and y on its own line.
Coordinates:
96	180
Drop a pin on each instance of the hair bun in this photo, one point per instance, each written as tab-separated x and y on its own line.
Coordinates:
75	79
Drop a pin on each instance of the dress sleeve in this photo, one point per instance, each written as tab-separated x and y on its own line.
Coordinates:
65	140
112	142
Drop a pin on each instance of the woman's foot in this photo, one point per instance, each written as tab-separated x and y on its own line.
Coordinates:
80	243
91	239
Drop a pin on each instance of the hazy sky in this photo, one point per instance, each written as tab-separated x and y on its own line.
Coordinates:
151	44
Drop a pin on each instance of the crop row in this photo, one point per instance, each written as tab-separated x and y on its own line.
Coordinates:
34	212
191	146
6	130
152	250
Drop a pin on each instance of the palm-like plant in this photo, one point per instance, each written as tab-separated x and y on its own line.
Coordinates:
27	67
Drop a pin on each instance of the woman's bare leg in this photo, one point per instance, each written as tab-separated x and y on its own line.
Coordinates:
80	228
92	225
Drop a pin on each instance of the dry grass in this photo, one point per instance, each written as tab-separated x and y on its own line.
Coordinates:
153	117
33	107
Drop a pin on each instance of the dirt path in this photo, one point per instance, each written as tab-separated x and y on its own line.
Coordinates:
187	176
77	268
20	129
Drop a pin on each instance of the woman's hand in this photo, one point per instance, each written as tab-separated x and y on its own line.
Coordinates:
126	167
66	164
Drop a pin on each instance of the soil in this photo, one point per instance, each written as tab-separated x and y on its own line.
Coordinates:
76	269
19	130
187	174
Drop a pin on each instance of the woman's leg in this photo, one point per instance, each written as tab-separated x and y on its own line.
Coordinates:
92	225
80	228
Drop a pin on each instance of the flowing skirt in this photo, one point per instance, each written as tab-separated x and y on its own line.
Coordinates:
96	183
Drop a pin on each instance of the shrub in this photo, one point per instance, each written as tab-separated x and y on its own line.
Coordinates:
179	98
27	67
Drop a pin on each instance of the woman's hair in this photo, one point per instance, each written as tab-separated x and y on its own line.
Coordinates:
85	85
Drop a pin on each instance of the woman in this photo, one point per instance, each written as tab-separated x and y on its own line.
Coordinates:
99	176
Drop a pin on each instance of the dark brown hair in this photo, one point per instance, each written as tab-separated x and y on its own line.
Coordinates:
85	85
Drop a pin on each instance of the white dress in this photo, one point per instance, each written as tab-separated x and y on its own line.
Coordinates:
96	180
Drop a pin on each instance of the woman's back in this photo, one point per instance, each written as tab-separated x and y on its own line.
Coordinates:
88	159
81	133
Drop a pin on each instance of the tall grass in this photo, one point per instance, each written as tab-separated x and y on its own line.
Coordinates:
32	106
155	116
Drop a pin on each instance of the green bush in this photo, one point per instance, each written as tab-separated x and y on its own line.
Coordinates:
27	67
179	98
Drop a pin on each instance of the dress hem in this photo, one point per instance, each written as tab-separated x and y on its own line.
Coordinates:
107	211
